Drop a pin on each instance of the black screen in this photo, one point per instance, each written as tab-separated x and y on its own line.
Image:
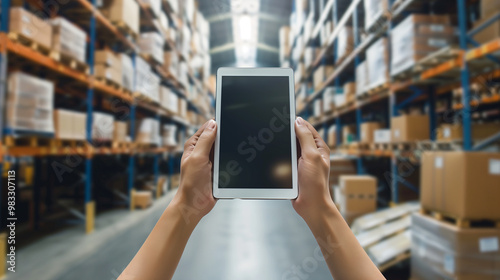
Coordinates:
255	143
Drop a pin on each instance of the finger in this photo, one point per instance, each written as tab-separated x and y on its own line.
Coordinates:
191	142
320	143
306	139
206	140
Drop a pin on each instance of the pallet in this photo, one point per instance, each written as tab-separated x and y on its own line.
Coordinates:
113	84
453	145
403	146
70	61
346	105
38	141
399	258
26	41
460	222
382	146
121	145
432	60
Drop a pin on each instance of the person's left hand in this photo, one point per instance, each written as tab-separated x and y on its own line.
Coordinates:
194	197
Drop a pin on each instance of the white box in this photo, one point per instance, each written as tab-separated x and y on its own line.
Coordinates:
127	72
68	39
382	136
152	43
102	126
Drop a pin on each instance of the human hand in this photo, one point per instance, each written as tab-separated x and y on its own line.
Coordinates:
194	197
313	171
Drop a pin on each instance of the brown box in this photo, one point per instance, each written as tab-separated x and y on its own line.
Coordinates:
350	91
480	131
321	74
143	199
120	131
368	131
441	250
123	12
359	194
461	184
62	125
107	58
332	136
30	26
489	8
489	33
108	73
410	128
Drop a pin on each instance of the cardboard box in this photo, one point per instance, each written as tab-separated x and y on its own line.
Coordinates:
377	62
68	39
69	125
123	12
407	128
104	72
441	250
182	107
152	44
127	71
489	8
332	136
120	132
30	26
409	46
143	199
318	108
148	131
171	62
461	184
368	131
374	10
345	42
106	58
321	74
362	78
30	102
489	33
350	92
329	99
102	126
359	195
480	131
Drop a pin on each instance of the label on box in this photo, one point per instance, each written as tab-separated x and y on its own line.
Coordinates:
438	162
446	132
27	32
488	244
25	18
495	166
396	133
437	28
449	263
439	43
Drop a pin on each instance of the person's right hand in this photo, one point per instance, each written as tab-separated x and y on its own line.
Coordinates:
313	171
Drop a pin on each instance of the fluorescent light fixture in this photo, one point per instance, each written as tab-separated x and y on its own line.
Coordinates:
245	27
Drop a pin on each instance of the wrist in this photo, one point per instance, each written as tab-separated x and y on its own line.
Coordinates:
181	211
328	214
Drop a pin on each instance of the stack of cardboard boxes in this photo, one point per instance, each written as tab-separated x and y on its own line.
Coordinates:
68	39
108	66
151	45
418	36
356	196
480	131
122	12
374	10
102	126
29	103
30	26
70	125
148	132
462	186
489	10
377	65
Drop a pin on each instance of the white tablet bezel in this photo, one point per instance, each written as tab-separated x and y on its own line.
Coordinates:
256	193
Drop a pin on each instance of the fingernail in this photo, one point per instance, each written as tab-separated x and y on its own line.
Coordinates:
300	121
211	124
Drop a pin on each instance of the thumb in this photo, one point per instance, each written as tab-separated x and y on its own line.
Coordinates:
206	140
306	138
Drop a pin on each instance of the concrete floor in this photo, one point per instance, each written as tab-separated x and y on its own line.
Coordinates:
237	240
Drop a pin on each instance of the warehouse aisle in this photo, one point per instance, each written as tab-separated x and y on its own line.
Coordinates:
237	240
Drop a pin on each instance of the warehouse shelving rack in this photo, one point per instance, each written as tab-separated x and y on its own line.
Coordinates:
421	85
93	87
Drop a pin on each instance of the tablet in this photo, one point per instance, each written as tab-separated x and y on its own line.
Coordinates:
255	154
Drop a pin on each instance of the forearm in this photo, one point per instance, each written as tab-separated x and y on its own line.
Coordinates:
345	258
162	250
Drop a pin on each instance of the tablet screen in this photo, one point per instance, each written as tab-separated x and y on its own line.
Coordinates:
255	143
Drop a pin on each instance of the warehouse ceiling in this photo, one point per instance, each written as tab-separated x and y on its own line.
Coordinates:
245	32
